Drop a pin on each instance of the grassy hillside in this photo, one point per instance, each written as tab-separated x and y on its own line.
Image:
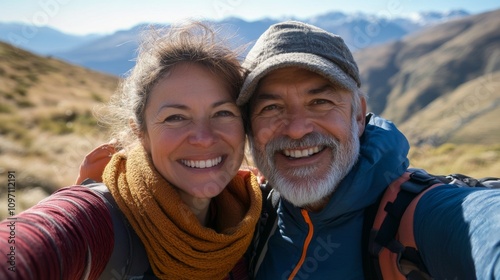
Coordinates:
470	159
405	76
46	119
466	115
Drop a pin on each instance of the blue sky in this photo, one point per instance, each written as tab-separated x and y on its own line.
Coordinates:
106	16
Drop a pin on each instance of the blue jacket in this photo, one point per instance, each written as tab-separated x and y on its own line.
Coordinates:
332	237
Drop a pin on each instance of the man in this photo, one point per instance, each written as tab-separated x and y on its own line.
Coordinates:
328	161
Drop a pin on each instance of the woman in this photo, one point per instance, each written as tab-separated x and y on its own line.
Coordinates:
176	182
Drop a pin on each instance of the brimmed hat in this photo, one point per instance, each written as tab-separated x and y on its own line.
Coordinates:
294	43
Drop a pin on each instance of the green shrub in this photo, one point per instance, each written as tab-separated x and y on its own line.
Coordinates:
23	103
5	109
96	97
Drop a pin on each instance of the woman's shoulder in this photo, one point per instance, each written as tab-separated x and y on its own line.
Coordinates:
129	259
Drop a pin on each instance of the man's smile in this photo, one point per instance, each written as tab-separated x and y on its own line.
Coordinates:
305	152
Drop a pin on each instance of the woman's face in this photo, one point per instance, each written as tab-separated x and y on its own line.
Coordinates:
194	131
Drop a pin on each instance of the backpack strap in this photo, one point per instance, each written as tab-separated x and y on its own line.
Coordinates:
128	259
393	257
265	229
462	180
392	247
371	268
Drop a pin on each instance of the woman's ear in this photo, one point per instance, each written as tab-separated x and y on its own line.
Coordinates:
134	127
143	137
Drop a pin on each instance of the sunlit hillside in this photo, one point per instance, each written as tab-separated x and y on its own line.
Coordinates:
469	159
406	76
46	119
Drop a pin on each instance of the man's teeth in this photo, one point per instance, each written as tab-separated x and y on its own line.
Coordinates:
202	163
301	153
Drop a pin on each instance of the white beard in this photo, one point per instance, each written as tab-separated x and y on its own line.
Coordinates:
299	186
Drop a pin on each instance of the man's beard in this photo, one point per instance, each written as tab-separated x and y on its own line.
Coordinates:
299	185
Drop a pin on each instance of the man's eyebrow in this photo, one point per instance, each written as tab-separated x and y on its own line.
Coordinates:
317	90
322	89
266	96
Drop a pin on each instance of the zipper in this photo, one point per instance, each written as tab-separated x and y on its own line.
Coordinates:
309	236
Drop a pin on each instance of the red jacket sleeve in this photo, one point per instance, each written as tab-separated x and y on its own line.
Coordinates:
68	235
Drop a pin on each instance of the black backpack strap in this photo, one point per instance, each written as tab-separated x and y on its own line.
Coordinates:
265	229
371	268
467	181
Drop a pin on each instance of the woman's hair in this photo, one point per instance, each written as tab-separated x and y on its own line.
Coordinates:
160	51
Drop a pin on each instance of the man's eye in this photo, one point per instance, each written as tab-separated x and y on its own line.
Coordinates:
268	110
270	107
320	101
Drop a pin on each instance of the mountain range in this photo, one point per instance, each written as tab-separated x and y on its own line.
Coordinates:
115	53
440	84
454	64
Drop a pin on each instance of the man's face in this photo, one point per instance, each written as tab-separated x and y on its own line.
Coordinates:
305	137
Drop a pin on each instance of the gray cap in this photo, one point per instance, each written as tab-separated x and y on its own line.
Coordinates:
294	43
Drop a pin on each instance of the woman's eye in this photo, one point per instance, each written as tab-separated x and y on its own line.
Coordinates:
174	118
224	113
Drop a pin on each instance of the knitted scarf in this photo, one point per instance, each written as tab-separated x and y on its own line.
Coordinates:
178	246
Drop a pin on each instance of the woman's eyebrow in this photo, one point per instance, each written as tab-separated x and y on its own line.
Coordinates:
223	102
184	107
175	106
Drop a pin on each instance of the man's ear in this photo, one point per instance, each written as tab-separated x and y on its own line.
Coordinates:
361	116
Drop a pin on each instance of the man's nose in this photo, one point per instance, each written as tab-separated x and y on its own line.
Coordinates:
297	125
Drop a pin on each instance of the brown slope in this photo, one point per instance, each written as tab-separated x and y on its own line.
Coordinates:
468	114
404	77
46	117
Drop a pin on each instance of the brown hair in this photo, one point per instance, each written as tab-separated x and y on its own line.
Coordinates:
160	51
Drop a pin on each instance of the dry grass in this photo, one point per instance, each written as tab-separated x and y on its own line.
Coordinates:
466	115
469	159
46	121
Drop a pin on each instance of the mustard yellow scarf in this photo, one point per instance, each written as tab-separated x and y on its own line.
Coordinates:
178	246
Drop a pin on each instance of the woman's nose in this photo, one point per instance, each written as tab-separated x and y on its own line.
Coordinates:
202	135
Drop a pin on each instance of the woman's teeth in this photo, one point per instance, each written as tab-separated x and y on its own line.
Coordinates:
202	163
